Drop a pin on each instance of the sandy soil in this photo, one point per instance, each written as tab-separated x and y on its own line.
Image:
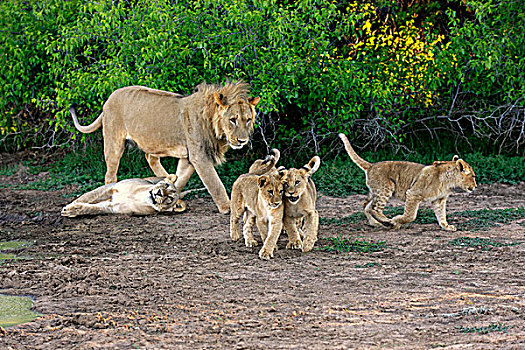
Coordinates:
178	282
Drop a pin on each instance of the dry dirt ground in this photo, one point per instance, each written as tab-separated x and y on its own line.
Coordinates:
178	282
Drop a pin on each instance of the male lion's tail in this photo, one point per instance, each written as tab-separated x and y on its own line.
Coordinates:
85	129
363	164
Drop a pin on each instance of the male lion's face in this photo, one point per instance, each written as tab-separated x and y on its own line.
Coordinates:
237	119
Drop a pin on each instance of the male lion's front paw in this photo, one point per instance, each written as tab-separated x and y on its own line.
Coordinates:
224	208
265	253
308	244
448	227
296	244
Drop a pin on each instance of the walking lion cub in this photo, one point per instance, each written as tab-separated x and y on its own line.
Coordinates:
413	183
131	196
301	219
258	195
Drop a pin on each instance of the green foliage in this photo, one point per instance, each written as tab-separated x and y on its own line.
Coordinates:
346	245
375	69
493	327
481	220
482	243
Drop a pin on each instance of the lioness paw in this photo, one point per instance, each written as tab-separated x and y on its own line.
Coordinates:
179	206
71	210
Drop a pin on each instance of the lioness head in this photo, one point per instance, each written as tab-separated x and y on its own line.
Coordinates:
466	177
164	194
236	118
271	188
296	180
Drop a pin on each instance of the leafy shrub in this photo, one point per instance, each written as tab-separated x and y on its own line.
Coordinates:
387	73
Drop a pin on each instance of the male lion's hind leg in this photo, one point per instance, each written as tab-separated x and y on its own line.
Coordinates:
156	166
113	150
440	207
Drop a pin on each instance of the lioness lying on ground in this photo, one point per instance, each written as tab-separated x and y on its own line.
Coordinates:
301	219
413	183
132	196
259	198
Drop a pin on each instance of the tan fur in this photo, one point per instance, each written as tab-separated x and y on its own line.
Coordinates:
259	198
198	129
300	196
132	196
413	183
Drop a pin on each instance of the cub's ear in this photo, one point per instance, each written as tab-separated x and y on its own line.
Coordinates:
261	181
314	164
254	100
455	158
220	99
282	171
461	164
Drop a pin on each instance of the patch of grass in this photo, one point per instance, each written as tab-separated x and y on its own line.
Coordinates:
339	176
340	244
350	219
367	265
482	220
484	330
12	245
477	242
8	170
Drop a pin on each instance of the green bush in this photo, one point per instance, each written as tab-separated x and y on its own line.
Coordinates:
386	73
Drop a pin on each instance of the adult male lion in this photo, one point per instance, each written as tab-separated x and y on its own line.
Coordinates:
198	129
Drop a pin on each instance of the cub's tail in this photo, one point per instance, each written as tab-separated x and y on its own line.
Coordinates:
85	129
360	162
262	166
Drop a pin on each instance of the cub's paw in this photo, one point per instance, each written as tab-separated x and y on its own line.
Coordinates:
448	227
308	244
265	253
296	244
235	235
250	242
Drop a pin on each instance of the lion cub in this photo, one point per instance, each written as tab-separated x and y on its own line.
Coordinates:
300	196
131	196
413	183
258	195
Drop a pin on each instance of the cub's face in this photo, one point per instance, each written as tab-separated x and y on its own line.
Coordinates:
271	189
164	195
236	119
295	183
467	178
296	180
